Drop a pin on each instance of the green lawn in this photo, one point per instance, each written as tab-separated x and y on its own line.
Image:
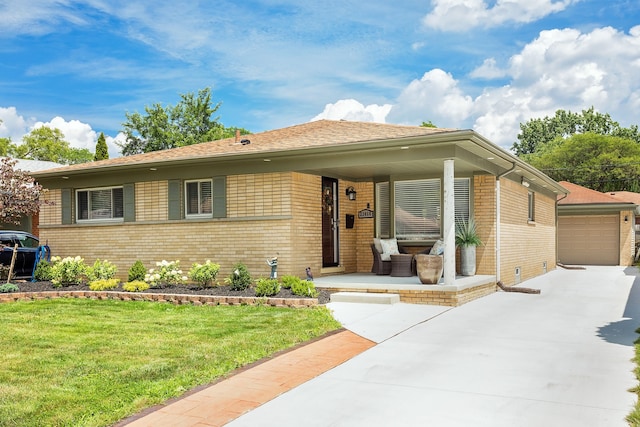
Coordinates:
68	362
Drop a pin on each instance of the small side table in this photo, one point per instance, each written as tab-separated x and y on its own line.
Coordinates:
402	265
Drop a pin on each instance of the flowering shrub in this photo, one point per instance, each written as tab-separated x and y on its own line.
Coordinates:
101	270
135	286
204	274
103	284
167	273
267	287
67	271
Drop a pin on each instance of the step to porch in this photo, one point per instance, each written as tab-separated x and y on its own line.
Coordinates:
365	297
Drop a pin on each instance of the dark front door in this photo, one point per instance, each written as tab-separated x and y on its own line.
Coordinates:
330	243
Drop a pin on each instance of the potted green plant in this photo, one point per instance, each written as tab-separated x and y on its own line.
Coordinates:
467	239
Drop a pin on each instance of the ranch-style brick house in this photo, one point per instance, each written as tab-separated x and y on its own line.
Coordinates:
314	195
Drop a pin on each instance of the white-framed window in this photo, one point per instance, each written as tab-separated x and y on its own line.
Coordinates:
417	209
100	204
532	206
198	199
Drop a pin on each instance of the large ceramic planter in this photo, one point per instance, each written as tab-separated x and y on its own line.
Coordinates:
468	260
429	268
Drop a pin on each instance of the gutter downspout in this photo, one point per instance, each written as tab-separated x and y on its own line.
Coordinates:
557	219
498	237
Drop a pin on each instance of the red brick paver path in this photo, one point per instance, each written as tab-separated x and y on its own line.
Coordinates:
226	400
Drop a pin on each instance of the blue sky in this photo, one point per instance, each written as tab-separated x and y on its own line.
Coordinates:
472	64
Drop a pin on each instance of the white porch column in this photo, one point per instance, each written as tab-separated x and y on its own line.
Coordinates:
449	225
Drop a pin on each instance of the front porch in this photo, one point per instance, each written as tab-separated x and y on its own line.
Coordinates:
410	290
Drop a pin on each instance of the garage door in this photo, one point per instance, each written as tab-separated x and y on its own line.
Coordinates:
589	240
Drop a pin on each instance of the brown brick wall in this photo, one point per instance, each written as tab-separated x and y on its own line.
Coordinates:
525	244
627	239
51	214
484	202
151	201
259	195
306	228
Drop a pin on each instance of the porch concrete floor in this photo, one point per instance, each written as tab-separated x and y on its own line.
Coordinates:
371	282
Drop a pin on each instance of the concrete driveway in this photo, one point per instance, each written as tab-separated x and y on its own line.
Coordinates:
560	358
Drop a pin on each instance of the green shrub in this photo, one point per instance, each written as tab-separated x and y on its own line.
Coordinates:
135	286
167	273
305	288
239	279
137	271
8	288
68	271
267	287
101	270
288	281
204	274
103	284
43	271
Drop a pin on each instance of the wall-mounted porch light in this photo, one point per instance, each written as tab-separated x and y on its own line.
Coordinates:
351	193
524	182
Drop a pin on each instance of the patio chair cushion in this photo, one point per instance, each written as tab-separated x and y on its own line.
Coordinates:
438	248
389	247
377	244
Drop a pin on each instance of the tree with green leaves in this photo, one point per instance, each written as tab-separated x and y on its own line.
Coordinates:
536	133
428	124
5	143
189	122
600	162
45	143
102	151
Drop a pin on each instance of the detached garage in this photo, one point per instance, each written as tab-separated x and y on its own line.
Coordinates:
595	228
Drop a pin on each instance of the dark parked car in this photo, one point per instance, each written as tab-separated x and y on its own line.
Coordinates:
27	251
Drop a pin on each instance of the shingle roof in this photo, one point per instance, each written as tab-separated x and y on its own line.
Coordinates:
626	196
582	196
313	134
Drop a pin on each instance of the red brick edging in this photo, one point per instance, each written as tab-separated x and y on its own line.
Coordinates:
171	298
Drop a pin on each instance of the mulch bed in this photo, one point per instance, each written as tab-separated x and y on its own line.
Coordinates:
25	286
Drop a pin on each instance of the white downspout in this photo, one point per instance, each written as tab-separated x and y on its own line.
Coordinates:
498	228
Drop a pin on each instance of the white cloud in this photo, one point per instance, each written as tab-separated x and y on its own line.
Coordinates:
13	125
436	97
564	69
488	70
76	133
560	69
350	109
463	15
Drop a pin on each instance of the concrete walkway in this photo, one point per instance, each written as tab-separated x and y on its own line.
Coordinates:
561	358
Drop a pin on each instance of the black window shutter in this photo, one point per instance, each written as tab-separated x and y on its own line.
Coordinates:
67	206
220	197
174	211
129	202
